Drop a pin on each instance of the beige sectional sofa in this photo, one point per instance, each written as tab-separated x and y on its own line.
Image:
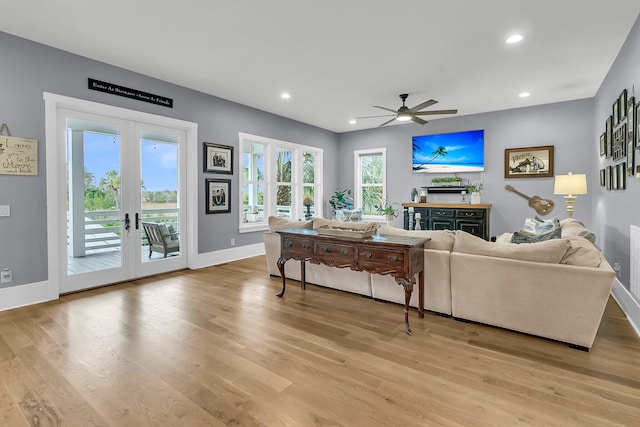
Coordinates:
555	289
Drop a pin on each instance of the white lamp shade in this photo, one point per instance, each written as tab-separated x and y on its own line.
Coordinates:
570	184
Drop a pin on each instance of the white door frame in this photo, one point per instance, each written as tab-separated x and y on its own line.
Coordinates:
56	156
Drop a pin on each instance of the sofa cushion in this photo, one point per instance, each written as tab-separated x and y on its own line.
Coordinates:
440	239
550	251
276	223
573	227
582	253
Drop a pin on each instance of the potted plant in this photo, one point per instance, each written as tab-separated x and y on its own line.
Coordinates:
474	188
450	181
307	201
389	210
341	199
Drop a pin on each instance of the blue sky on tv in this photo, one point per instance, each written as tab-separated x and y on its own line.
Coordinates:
463	148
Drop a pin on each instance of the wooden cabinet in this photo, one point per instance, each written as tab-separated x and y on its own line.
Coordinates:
473	219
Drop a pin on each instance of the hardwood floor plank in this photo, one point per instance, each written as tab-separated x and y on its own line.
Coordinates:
216	347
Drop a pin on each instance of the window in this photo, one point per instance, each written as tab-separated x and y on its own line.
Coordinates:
370	179
278	178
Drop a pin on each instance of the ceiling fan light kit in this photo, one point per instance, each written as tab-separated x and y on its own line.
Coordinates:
405	114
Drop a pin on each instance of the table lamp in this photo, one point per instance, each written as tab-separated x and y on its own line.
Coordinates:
570	185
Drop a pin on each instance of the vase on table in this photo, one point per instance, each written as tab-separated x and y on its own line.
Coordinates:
390	219
475	198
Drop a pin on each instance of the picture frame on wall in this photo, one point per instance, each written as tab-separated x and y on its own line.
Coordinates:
529	162
614	177
631	118
608	132
637	132
603	146
615	111
218	193
603	180
218	158
622	102
622	173
607	178
630	157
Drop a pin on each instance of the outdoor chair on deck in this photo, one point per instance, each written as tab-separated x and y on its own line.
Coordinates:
162	238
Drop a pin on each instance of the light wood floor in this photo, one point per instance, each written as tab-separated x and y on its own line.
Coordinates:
216	347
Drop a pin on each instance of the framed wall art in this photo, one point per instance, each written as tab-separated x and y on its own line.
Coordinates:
528	162
619	146
622	102
637	132
608	134
614	177
602	178
630	157
631	118
622	173
218	158
603	146
218	193
607	178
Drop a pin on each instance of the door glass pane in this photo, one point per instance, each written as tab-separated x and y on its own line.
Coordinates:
159	196
93	196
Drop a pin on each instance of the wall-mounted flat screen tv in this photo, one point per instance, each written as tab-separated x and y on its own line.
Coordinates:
449	152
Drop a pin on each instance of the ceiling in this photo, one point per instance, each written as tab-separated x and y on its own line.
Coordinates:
338	58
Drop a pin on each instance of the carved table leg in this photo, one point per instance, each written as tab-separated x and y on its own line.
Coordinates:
281	262
303	275
408	289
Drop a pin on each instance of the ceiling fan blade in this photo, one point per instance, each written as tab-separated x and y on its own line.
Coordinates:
386	109
386	123
425	104
371	117
419	120
433	112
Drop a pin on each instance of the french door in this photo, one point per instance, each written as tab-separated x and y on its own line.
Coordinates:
118	174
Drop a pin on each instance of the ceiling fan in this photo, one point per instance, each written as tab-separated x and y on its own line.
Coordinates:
405	113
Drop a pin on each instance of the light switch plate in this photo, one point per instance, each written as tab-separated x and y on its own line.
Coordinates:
5	210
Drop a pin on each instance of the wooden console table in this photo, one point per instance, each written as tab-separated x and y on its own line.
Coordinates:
399	256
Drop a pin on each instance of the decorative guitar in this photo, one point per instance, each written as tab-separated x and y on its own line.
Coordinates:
542	206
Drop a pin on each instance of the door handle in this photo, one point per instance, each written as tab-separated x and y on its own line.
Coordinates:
137	221
127	222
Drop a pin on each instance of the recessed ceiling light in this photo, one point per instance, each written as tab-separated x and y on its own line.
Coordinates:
524	94
285	95
353	121
514	38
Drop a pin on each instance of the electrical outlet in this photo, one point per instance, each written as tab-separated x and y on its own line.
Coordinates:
233	241
5	210
6	275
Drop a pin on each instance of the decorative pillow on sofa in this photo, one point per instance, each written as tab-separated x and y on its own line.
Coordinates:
550	251
582	253
440	239
537	230
276	223
573	227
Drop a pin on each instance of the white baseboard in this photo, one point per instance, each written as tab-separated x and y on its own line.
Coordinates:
226	255
628	303
27	294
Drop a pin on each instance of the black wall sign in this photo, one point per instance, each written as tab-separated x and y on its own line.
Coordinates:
130	93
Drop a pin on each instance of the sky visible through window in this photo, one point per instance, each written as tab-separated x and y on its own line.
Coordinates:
159	160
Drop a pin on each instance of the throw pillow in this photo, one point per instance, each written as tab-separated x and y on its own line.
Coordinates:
523	236
551	251
440	239
582	253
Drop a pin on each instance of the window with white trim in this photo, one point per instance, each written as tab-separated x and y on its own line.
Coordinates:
278	178
370	168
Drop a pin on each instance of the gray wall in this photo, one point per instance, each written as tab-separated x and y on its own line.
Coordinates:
29	69
614	211
567	126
